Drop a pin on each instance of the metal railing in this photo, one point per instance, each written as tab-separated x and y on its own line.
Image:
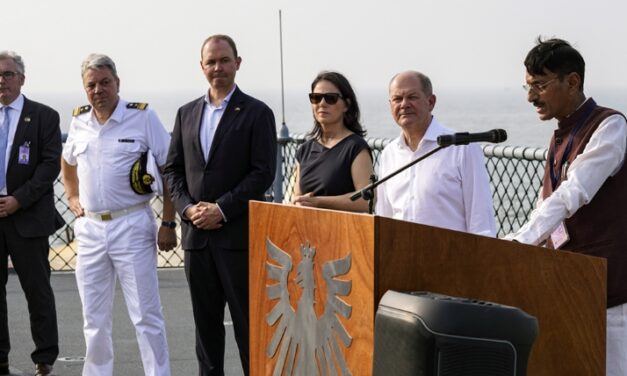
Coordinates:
515	179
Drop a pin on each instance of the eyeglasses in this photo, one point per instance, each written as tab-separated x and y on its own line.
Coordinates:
8	75
538	87
330	98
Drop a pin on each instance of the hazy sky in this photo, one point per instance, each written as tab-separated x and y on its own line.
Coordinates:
156	44
458	43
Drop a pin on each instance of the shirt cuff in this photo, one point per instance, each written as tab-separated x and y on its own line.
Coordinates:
183	216
221	212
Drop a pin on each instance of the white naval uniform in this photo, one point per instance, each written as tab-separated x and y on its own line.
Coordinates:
123	248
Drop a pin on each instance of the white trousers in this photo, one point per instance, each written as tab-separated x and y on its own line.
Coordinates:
124	249
616	348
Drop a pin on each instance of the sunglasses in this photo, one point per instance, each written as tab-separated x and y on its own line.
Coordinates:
330	98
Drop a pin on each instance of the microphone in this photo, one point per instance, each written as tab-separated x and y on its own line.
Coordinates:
464	138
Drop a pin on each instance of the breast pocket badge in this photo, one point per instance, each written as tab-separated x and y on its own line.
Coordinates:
24	154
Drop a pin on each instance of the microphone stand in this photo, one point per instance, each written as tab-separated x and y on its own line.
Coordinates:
367	193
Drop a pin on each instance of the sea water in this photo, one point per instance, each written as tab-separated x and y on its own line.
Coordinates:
461	110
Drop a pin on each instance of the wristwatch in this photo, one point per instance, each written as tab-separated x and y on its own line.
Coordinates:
169	224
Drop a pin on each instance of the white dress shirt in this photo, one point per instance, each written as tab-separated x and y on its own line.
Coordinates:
449	189
15	111
602	157
211	117
105	153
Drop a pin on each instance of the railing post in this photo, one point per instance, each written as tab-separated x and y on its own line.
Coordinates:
282	140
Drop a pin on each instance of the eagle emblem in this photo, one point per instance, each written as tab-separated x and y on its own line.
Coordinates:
309	345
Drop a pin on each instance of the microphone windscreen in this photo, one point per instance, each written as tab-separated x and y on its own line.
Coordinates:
499	135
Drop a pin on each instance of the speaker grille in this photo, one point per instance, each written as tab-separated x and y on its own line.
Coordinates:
468	357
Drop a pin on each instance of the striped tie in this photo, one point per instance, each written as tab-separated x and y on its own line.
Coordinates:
4	135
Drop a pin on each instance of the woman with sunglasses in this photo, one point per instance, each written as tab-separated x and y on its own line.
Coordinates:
335	161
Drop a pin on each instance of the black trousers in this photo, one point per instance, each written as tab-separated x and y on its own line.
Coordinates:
217	276
30	261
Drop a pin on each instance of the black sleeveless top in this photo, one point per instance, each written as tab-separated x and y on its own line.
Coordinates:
327	172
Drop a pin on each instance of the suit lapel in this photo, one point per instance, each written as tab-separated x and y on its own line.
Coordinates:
23	125
225	125
196	121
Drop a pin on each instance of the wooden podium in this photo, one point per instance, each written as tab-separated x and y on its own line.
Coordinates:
565	291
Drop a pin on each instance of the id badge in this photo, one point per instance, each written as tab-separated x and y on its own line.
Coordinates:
24	154
559	237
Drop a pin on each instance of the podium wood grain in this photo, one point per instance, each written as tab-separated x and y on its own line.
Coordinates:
334	235
564	291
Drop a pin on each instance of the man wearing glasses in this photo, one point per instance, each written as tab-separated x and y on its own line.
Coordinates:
450	189
30	148
222	155
583	205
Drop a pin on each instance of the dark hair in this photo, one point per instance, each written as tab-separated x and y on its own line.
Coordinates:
223	37
351	116
556	56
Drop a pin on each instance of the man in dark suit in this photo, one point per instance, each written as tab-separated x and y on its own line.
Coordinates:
222	155
30	149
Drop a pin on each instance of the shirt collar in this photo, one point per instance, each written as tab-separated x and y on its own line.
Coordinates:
434	130
117	115
584	108
17	104
226	100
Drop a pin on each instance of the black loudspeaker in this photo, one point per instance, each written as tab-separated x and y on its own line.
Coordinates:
427	334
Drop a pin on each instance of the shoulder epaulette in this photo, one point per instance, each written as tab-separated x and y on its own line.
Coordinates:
81	110
137	105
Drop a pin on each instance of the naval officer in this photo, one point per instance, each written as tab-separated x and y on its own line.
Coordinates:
115	226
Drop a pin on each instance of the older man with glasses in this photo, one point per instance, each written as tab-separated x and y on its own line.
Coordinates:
583	205
30	148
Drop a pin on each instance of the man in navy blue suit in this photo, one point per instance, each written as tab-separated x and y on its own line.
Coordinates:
222	155
30	161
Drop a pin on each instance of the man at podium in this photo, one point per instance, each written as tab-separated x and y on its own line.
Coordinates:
450	189
583	206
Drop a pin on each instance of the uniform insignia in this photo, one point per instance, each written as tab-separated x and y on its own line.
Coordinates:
147	179
140	178
144	175
137	105
81	110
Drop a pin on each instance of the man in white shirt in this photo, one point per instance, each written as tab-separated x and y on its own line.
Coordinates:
115	225
583	205
449	189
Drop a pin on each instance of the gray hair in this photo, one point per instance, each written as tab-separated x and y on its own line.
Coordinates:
98	61
427	87
16	58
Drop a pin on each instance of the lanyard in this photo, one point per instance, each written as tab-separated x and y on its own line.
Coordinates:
554	177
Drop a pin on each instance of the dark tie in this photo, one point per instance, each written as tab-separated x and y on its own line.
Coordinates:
4	135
